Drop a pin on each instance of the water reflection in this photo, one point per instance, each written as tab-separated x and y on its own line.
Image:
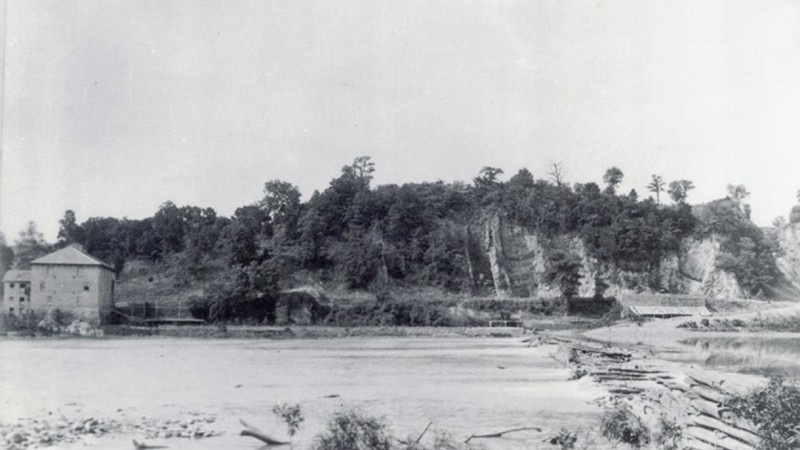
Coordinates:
748	354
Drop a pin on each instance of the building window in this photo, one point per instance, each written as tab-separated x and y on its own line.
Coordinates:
11	310
41	286
11	299
86	288
21	299
11	285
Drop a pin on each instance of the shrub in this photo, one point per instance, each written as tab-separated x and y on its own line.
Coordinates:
292	415
578	373
353	431
669	435
565	439
621	425
775	411
441	441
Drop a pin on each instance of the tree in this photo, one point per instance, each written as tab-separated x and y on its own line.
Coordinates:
363	167
613	177
679	190
562	267
169	228
69	231
794	215
556	173
245	236
29	246
488	176
282	203
737	193
656	186
779	222
6	254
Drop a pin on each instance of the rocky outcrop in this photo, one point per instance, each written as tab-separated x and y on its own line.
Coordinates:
789	260
517	258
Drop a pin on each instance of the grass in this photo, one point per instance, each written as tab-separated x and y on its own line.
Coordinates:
353	430
621	425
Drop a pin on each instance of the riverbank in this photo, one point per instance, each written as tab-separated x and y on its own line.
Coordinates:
466	380
308	332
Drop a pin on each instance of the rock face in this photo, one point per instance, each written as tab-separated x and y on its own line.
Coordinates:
517	260
789	261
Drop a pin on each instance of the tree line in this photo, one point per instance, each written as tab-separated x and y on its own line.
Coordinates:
366	237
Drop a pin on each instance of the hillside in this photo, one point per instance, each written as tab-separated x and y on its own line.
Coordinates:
521	238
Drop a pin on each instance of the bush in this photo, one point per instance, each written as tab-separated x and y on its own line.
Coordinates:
441	441
292	415
775	411
350	430
578	373
565	439
621	425
24	324
669	435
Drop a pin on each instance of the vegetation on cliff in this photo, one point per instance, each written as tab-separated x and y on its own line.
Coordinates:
358	236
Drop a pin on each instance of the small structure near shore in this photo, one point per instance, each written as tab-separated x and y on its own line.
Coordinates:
664	306
69	280
16	291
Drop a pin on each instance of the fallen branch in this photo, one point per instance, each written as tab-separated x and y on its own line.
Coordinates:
501	433
260	435
419	438
415	441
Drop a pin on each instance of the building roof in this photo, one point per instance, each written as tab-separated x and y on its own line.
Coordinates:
70	256
670	310
13	276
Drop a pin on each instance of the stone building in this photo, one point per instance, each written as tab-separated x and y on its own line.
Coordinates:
72	281
16	291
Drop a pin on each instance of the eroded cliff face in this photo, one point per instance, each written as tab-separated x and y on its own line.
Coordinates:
517	258
789	261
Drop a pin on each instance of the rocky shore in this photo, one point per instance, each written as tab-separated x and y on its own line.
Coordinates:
688	398
51	431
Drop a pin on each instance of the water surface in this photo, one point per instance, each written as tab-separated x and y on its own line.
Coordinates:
749	354
465	385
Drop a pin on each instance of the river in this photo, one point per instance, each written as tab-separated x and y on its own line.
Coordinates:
464	385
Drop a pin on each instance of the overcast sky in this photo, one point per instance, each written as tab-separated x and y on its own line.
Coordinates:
113	107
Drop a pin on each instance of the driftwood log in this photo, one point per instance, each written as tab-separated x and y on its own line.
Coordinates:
260	435
501	433
143	446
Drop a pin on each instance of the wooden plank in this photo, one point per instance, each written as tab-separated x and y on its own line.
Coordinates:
708	394
720	440
706	407
737	433
693	444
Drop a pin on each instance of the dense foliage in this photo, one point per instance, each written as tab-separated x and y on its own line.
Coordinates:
621	425
746	251
418	234
775	410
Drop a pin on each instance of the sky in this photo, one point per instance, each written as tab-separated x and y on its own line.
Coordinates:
112	107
